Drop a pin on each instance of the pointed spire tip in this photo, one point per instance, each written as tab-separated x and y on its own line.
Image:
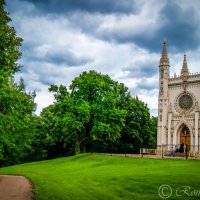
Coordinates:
165	38
164	58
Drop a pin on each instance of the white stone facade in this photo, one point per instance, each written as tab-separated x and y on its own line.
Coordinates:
178	107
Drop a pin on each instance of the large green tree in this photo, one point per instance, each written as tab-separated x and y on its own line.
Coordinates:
17	124
92	110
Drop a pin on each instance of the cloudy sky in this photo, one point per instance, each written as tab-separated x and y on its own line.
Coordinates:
121	38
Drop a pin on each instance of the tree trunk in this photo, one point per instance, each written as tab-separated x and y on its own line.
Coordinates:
84	148
77	145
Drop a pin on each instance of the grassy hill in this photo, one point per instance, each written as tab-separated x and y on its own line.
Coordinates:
90	177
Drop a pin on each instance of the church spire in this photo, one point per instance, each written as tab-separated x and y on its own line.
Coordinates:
164	58
184	70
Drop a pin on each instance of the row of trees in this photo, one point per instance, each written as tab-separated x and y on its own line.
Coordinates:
95	112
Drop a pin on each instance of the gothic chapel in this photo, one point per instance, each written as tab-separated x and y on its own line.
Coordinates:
178	106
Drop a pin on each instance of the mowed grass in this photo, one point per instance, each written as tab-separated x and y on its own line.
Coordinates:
102	177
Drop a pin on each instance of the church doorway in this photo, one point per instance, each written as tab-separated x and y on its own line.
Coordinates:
185	137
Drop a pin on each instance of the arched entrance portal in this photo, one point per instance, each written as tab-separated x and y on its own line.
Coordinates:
185	137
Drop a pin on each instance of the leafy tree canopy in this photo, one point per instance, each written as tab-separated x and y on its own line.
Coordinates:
92	110
17	124
9	44
140	126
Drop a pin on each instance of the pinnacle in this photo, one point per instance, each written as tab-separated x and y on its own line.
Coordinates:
164	58
185	70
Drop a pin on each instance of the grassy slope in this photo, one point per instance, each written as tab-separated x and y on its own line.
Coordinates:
105	177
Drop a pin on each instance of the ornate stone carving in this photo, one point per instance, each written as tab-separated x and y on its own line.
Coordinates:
184	102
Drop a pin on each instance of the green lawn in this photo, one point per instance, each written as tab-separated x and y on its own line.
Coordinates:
90	177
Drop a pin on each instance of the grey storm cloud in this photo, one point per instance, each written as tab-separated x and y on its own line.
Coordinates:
179	24
145	85
58	55
143	70
102	6
67	58
181	27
